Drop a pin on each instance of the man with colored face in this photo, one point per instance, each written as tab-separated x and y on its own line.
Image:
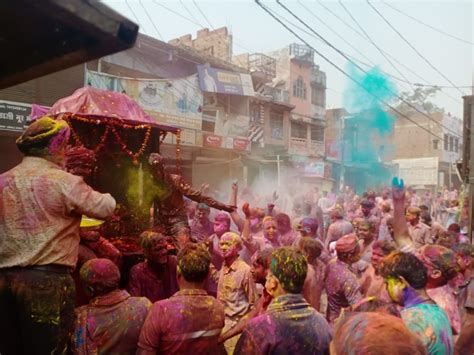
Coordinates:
154	278
111	322
253	243
290	325
236	288
287	234
40	212
201	227
442	267
418	231
190	321
366	233
259	270
369	212
406	278
221	225
341	283
372	283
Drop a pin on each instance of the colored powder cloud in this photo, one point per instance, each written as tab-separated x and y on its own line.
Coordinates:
368	128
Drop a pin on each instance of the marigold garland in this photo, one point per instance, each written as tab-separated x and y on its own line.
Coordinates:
111	126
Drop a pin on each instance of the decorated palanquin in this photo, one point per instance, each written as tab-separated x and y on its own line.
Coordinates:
121	136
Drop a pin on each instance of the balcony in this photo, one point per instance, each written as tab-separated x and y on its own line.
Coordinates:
261	63
302	53
278	95
305	147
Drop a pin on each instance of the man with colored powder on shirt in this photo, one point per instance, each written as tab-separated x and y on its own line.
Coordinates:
190	321
341	283
419	232
112	321
406	278
259	270
236	288
154	278
290	325
40	212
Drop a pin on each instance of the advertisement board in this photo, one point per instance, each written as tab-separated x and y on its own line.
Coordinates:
175	102
224	82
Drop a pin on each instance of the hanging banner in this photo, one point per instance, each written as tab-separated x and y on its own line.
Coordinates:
175	102
14	116
225	82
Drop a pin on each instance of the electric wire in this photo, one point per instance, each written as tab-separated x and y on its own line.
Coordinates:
364	71
427	25
413	72
412	46
342	71
151	20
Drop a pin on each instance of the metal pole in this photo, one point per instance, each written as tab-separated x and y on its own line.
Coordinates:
343	148
278	170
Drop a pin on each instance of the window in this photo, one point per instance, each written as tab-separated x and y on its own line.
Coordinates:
276	125
318	96
299	88
255	114
317	134
451	144
435	144
298	130
209	120
446	142
456	145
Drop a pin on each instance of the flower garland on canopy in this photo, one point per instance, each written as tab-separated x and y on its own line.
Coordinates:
111	126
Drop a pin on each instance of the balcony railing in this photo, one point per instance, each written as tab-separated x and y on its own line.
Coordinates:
262	63
301	146
278	95
301	52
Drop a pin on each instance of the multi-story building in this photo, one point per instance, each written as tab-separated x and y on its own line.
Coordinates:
305	83
440	138
423	151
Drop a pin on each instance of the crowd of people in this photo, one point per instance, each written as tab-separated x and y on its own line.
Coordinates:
386	272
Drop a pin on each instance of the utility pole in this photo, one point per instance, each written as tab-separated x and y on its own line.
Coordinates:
468	157
343	148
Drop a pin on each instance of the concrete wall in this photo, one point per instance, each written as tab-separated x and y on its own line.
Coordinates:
297	68
217	43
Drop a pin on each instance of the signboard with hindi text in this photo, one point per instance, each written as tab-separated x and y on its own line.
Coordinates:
14	116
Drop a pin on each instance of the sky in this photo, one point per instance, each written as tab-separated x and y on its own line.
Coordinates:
254	30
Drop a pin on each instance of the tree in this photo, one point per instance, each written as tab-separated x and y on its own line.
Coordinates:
419	98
